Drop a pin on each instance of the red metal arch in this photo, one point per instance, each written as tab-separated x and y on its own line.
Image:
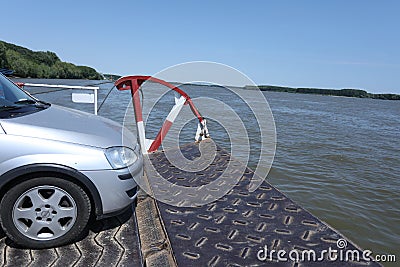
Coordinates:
133	84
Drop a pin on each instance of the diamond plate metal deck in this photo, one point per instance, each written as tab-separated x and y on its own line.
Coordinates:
231	230
110	242
226	232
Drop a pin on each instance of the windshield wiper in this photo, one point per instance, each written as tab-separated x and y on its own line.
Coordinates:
37	103
25	101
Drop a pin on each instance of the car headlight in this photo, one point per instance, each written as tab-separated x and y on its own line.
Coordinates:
120	157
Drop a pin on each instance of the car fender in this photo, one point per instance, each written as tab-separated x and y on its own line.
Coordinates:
62	170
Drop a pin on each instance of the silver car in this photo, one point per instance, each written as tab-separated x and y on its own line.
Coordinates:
60	167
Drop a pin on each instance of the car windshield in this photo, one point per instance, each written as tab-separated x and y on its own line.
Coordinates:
11	95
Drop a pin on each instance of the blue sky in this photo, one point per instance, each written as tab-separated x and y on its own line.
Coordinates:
329	44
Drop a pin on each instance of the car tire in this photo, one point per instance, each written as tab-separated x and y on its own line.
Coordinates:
45	212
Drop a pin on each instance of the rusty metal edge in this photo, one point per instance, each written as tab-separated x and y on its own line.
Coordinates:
154	242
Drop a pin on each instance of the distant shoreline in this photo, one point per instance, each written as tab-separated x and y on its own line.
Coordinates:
330	92
358	93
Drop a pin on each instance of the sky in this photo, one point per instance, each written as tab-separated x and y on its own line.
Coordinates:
323	44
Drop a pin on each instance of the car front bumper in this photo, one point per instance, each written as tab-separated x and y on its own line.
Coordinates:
117	188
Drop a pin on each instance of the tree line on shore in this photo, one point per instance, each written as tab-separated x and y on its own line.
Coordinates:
27	63
332	92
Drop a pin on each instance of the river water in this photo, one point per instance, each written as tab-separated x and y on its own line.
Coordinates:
337	157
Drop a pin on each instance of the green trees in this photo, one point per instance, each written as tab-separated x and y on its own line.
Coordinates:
27	63
343	92
3	58
111	77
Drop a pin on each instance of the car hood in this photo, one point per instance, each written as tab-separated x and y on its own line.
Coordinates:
69	125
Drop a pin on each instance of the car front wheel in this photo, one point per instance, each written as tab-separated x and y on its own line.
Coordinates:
44	212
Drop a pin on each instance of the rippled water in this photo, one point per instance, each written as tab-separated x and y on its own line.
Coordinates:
337	157
340	158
